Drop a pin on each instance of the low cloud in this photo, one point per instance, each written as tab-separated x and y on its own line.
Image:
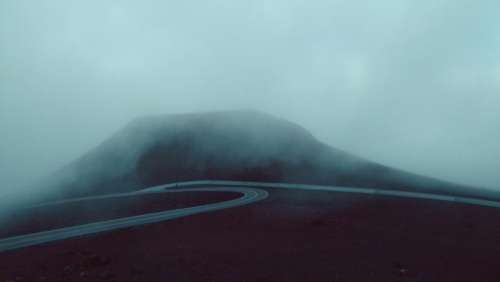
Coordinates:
409	84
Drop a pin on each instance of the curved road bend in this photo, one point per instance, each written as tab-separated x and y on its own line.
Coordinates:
250	191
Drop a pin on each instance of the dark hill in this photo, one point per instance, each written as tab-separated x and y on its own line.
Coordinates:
235	145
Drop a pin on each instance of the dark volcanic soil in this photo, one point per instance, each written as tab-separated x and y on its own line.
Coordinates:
291	236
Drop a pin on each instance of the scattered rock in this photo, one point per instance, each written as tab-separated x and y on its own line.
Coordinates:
83	274
94	260
68	269
401	269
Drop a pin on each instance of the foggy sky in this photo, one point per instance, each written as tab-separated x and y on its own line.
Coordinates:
410	84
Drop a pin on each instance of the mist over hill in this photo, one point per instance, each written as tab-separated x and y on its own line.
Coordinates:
232	145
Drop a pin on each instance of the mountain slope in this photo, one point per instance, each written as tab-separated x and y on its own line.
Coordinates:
234	145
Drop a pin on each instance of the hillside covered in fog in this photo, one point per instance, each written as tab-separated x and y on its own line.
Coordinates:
234	145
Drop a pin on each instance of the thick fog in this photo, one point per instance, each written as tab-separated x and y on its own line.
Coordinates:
410	84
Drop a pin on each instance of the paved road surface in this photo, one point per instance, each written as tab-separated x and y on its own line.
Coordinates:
251	192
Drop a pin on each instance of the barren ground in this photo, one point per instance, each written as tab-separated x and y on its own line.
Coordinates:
291	236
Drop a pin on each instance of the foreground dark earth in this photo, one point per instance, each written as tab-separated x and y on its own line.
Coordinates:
291	236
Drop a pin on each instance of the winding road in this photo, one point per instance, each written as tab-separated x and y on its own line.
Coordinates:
251	192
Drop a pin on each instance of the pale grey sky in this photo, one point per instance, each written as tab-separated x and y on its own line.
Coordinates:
411	84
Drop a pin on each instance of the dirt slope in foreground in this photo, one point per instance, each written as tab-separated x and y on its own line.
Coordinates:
288	237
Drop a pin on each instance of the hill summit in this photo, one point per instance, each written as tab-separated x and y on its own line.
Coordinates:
231	145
